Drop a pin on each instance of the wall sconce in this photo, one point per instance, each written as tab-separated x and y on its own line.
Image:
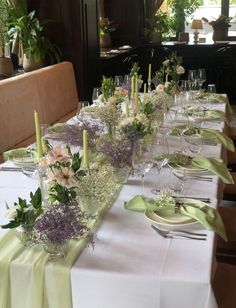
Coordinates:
196	25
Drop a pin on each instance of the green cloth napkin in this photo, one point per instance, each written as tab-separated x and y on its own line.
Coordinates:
207	134
207	114
214	97
215	165
218	137
57	128
19	153
204	214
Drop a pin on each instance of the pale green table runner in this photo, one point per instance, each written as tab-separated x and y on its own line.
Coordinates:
29	281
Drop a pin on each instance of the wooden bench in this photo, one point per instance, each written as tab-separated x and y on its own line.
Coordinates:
51	91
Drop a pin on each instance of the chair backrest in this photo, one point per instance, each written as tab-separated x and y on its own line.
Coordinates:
51	91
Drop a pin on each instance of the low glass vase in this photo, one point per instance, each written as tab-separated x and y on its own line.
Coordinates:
24	234
120	174
56	251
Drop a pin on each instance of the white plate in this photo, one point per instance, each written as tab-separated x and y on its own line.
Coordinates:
176	218
190	168
25	161
124	47
151	216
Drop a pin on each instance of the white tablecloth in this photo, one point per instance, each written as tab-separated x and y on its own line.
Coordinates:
131	266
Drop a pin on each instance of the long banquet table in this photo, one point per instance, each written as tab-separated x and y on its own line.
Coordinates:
130	266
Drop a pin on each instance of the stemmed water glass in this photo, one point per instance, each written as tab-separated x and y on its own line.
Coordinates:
160	159
142	158
118	81
201	76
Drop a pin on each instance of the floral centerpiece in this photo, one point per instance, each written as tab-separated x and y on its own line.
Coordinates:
168	76
57	225
23	216
135	127
23	212
63	170
108	114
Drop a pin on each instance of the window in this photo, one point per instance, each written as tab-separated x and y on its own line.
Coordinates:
211	9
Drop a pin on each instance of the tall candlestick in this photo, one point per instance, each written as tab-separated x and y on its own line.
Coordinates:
145	88
85	149
149	72
38	136
136	94
127	109
132	86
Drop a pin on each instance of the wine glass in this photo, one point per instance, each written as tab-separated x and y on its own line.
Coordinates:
201	76
160	159
211	88
193	142
118	81
141	159
96	93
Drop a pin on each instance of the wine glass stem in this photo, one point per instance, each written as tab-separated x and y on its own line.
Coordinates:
142	181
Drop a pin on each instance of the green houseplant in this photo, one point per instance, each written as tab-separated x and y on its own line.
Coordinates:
181	10
29	31
157	27
6	67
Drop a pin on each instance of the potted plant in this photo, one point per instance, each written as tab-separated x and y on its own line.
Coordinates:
181	10
6	67
106	27
220	27
29	30
157	27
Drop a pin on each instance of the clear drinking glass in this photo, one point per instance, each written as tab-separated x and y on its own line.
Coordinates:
211	88
201	76
96	93
81	105
142	159
118	80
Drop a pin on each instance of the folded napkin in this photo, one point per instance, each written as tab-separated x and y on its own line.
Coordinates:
57	128
204	214
214	98
218	137
207	134
215	165
19	153
207	114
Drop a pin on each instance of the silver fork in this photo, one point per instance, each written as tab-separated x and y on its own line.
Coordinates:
180	234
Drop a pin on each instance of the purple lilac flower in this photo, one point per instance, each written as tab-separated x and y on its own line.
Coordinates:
117	151
59	223
127	85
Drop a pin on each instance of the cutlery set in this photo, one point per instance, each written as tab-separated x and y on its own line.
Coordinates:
180	234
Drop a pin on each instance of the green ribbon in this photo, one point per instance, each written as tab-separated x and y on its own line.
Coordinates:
207	216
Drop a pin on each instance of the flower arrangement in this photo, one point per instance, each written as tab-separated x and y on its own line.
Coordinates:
59	224
62	172
118	151
23	212
107	26
222	22
135	127
171	69
108	87
108	114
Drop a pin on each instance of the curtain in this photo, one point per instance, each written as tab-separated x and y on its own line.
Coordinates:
152	6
